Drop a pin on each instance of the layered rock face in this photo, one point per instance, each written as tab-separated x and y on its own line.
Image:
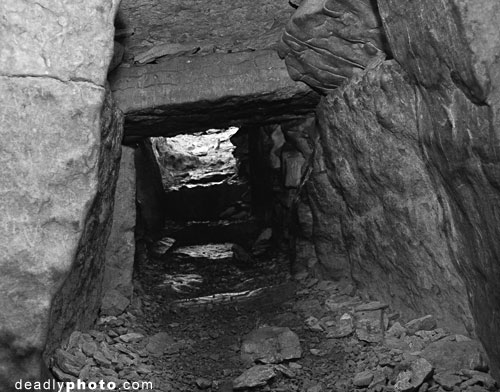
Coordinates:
456	68
327	42
190	66
120	250
190	94
78	300
60	144
407	156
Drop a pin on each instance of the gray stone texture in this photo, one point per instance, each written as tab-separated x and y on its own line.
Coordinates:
404	188
326	42
188	94
219	26
456	66
392	218
56	171
150	195
77	301
190	65
120	250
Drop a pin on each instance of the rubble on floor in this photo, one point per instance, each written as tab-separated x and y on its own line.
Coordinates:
326	339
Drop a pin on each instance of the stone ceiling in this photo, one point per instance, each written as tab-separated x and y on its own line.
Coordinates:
219	26
191	65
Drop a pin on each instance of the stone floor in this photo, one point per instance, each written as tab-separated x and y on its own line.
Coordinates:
206	318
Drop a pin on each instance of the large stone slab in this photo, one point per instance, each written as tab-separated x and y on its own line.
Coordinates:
120	250
452	47
77	301
392	215
49	187
188	94
222	26
60	135
150	195
64	40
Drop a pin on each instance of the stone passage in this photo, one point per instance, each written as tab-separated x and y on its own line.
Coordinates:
329	221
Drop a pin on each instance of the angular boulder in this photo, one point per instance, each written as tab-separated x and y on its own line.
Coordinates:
256	376
60	146
326	42
270	345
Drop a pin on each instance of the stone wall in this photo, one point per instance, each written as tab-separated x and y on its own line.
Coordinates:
120	251
54	60
404	191
76	304
455	67
150	194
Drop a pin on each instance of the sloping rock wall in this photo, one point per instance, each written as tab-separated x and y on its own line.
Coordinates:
54	60
77	302
120	249
456	66
408	159
392	213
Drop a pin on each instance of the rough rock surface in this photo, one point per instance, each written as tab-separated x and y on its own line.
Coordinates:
189	94
220	26
270	345
52	86
149	193
75	44
326	42
408	161
256	376
120	250
191	65
189	352
78	300
457	63
386	199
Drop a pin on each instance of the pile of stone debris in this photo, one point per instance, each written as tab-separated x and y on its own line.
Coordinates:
385	355
379	352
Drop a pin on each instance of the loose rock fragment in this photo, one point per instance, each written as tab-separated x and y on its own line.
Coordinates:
131	337
114	303
396	330
256	376
162	246
343	328
426	323
313	324
69	363
203	383
363	379
369	326
409	380
447	380
270	345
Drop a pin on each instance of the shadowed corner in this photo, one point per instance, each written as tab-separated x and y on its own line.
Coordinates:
20	364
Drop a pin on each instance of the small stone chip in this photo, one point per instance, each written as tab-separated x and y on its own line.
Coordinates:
363	379
131	337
